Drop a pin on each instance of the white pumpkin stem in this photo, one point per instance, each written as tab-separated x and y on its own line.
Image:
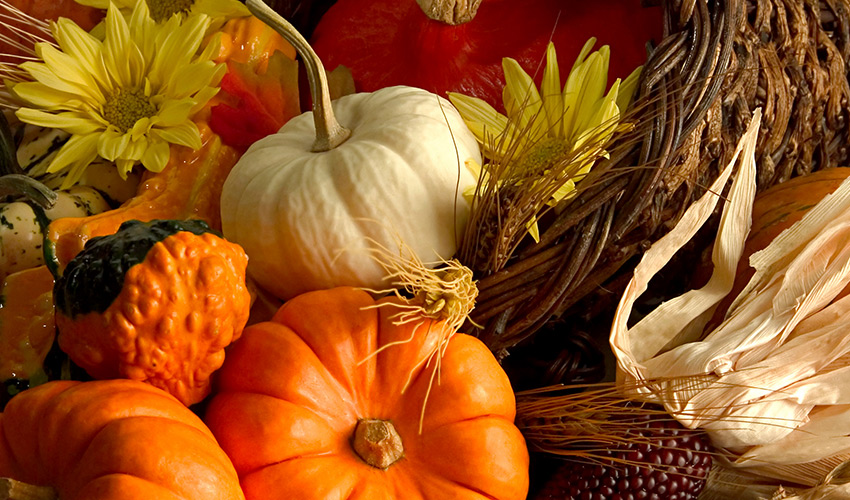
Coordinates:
11	489
329	133
452	12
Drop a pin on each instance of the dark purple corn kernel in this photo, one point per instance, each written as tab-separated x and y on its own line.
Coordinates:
656	458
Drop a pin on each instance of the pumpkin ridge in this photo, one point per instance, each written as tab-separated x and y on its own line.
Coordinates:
111	426
254	470
471	419
475	490
369	335
80	459
7	446
344	390
325	416
422	465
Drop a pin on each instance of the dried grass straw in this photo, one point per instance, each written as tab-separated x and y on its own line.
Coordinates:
20	32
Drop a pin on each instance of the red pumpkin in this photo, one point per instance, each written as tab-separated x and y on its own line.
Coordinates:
393	42
309	407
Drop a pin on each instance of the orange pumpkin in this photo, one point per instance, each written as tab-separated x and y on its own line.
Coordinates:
156	302
115	439
316	404
775	210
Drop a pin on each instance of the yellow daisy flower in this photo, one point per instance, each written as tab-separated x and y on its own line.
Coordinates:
552	122
162	10
125	98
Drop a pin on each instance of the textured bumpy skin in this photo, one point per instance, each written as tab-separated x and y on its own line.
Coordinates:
175	313
111	440
293	389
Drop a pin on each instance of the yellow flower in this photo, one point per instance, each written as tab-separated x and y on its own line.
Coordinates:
162	10
553	122
125	98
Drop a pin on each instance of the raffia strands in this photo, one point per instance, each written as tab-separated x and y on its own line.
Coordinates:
443	292
581	421
19	32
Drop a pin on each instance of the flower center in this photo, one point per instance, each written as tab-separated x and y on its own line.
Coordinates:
162	10
124	108
543	156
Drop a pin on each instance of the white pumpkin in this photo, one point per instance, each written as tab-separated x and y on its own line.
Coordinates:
307	218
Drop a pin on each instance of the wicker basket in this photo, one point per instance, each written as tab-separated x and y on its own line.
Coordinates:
718	61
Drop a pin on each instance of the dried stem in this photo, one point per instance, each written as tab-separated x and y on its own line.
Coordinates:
11	489
329	133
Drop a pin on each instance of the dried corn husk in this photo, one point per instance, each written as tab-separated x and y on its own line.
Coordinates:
771	383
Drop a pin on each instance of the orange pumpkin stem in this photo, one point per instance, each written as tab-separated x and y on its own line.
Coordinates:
452	12
377	442
11	489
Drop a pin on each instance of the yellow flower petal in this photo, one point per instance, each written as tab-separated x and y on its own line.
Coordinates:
82	47
191	77
173	112
566	191
591	88
628	88
112	144
124	167
42	73
477	172
533	230
484	121
68	69
220	8
74	174
550	89
71	122
136	149
582	55
120	53
156	156
202	97
522	100
140	128
143	30
104	4
185	134
40	95
176	45
78	150
601	124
